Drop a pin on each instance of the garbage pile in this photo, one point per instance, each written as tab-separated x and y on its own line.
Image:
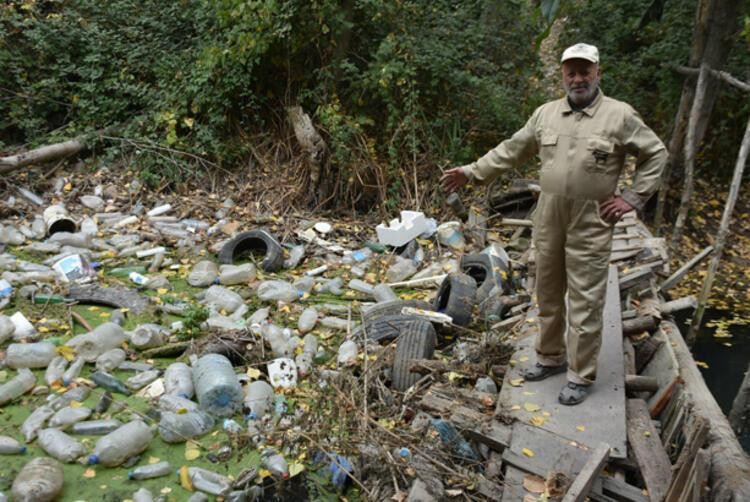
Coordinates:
150	355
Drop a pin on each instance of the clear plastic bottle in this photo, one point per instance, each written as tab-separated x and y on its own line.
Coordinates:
237	274
40	480
401	269
198	497
150	471
449	234
149	335
271	460
304	284
216	385
259	397
7	328
384	293
10	446
34	422
178	380
138	279
276	339
307	320
296	253
55	370
204	274
109	382
335	323
143	495
95	427
118	446
358	256
178	428
361	286
208	481
176	404
17	386
106	336
223	298
310	344
304	363
333	286
29	355
142	379
347	353
68	416
277	291
110	360
73	371
59	445
79	394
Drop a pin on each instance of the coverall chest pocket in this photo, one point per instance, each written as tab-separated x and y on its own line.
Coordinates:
548	149
601	156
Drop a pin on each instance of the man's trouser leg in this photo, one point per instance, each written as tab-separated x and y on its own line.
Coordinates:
550	221
587	252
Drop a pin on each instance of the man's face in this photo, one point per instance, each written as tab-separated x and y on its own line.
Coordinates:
580	80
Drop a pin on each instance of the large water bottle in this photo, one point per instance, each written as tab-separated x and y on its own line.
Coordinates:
237	274
67	416
304	284
59	445
176	404
150	471
361	286
34	422
216	385
17	386
333	286
204	274
40	480
259	397
178	380
10	446
296	253
275	338
142	379
278	291
307	320
106	336
178	428
29	355
223	298
121	444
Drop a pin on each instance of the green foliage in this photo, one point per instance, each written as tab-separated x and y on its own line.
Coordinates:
191	323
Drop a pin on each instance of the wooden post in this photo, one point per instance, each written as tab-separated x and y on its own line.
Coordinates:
739	415
721	237
690	147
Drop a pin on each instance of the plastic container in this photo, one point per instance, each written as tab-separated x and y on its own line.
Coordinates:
103	404
361	286
109	382
347	353
216	385
333	286
59	445
40	480
271	460
106	336
310	344
29	355
277	291
147	336
209	482
259	397
304	363
223	298
17	386
55	370
486	384
75	394
178	428
23	327
68	416
118	446
10	446
204	274
143	495
454	202
73	371
304	284
335	323
176	404
178	380
150	471
449	234
34	422
142	379
384	293
307	320
401	269
110	360
95	427
10	235
7	328
159	210
237	274
199	497
358	256
276	339
296	253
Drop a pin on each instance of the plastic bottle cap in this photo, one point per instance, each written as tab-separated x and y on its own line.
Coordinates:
93	459
130	474
23	449
223	399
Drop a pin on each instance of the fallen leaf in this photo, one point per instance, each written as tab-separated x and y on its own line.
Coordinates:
523	359
527	452
253	373
531	407
701	364
154	460
185	480
165	490
452	375
580	428
537	420
515	407
534	484
295	468
516	382
191	451
647	434
89	473
75	404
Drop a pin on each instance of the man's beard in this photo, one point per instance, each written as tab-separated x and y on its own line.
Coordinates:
581	99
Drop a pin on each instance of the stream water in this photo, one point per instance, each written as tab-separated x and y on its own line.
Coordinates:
727	360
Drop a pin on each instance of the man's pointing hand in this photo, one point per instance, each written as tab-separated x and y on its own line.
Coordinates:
453	179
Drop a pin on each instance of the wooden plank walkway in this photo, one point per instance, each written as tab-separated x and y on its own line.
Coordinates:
601	417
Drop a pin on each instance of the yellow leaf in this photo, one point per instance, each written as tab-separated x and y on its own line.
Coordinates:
253	373
189	122
185	481
65	351
647	434
515	407
453	376
523	359
537	420
165	490
516	382
105	314
93	308
701	364
154	460
295	468
580	428
75	404
531	407
264	473
89	473
527	452
191	451
162	291
182	411
68	187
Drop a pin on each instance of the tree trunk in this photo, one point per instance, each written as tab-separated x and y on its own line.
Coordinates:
690	147
721	237
314	146
739	415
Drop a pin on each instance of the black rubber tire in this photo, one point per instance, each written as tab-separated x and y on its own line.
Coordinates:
392	307
416	341
488	271
254	240
494	308
456	298
384	328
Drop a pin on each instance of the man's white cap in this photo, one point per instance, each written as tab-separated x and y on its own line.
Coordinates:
581	51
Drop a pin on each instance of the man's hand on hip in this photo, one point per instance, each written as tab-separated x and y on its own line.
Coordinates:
613	208
453	179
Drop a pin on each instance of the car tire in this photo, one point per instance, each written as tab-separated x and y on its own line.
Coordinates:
254	240
416	341
456	298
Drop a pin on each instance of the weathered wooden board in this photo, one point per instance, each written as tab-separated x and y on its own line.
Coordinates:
663	366
583	483
601	417
655	467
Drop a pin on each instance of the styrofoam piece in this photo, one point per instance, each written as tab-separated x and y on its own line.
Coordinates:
399	232
282	372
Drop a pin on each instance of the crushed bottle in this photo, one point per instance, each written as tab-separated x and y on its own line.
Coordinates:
35	421
204	274
178	428
40	480
59	445
237	274
272	461
10	446
258	400
17	386
150	471
95	427
121	444
29	355
178	380
278	291
67	416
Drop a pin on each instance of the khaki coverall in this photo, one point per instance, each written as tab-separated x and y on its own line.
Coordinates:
582	154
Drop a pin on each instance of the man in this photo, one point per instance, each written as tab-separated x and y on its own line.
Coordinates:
581	140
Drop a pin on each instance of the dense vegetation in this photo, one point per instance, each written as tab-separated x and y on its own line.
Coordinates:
390	83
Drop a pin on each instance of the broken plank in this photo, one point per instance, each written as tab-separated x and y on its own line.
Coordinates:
684	303
635	278
653	462
581	486
673	279
697	436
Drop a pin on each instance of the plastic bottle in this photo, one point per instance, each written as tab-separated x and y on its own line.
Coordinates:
106	336
361	286
68	416
176	404
347	353
73	371
274	463
198	497
486	384
237	274
178	380
384	293
142	379
59	445
401	269
29	355
178	428
223	298
34	422
110	360
79	394
277	291
116	447
449	234
304	284
258	398
104	402
17	386
138	279
143	495
204	274
40	480
216	385
333	286
9	446
209	482
454	202
335	323
304	363
7	328
296	253
55	370
275	338
125	271
307	320
150	471
95	427
310	344
109	382
149	335
10	235
358	256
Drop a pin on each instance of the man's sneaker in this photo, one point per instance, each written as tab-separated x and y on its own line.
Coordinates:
540	372
573	393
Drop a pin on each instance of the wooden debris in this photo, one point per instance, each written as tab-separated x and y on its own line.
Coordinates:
673	279
639	325
635	278
682	482
580	488
644	351
639	383
653	462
